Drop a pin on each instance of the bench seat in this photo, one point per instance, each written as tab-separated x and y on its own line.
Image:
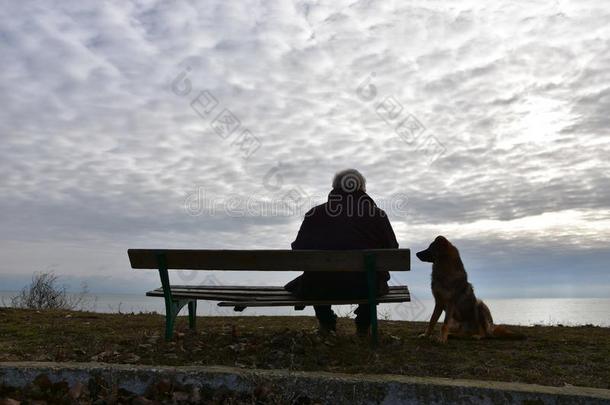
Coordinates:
241	297
369	261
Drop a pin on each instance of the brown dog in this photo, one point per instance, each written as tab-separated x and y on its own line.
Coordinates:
464	313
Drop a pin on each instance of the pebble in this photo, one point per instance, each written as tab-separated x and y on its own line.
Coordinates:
9	401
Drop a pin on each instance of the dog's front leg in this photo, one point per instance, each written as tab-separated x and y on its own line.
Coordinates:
438	309
445	329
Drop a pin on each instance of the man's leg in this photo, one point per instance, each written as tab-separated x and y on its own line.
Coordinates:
363	319
326	317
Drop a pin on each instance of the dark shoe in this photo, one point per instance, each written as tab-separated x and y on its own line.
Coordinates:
327	328
363	330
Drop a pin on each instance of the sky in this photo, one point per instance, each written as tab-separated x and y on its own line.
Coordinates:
218	124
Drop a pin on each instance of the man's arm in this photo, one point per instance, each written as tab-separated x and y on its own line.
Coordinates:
389	237
388	241
302	240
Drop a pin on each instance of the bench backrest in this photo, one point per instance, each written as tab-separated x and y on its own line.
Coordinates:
272	260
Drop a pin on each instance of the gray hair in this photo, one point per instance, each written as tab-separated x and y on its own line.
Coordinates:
349	180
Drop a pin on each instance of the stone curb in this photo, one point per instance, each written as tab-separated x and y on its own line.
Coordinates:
331	388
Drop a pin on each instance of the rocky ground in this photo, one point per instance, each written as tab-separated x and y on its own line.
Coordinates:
549	356
96	392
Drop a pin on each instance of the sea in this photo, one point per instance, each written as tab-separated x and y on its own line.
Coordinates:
513	311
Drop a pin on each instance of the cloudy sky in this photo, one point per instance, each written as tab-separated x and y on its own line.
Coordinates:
217	124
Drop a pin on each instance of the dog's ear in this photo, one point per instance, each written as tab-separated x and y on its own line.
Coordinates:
442	246
441	241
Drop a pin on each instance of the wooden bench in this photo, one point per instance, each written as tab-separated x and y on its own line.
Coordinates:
241	297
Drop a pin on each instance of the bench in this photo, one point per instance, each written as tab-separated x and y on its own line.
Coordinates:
241	297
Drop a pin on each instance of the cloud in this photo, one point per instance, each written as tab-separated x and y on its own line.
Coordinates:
103	141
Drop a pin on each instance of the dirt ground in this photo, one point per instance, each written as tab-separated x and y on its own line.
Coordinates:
551	355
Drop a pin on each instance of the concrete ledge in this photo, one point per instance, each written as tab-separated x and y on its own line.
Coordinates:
325	387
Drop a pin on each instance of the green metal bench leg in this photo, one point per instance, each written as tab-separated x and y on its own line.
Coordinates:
170	314
169	326
173	306
369	263
170	321
192	314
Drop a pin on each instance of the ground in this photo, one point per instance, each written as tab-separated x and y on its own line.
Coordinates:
551	355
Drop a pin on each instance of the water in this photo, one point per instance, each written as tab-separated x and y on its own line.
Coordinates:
518	311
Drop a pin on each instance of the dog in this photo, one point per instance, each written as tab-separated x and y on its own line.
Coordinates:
465	315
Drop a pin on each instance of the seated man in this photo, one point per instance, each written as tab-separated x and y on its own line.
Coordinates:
348	220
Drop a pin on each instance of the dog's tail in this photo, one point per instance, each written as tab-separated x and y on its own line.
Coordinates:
502	332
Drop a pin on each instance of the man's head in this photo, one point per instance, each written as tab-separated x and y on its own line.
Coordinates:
349	180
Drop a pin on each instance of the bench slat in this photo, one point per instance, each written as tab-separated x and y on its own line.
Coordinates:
248	288
184	293
290	303
218	297
288	299
232	287
272	260
236	296
238	290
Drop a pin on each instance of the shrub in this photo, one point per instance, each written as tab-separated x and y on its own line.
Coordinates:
44	292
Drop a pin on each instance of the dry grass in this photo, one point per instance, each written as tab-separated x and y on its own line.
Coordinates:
550	356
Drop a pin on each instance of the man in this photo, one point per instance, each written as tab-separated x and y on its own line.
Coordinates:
348	220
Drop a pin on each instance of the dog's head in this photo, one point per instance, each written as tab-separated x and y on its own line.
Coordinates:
438	249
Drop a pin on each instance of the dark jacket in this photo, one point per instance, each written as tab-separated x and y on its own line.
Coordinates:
346	221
